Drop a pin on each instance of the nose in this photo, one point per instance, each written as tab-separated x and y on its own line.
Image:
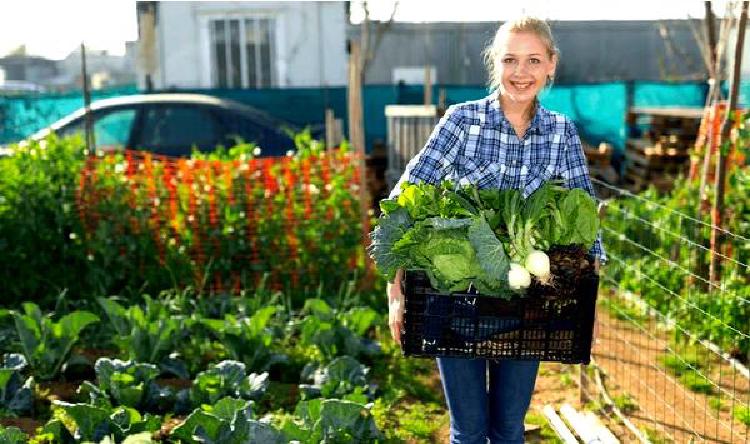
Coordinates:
520	68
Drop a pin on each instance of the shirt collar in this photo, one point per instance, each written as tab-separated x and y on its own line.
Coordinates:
498	118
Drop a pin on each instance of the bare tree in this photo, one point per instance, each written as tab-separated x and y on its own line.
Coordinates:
368	47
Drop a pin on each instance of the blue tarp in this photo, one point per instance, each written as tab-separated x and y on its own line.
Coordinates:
598	109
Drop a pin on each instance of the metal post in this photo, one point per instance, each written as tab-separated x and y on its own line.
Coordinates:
90	140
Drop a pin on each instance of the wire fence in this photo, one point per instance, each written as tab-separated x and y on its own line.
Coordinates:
673	346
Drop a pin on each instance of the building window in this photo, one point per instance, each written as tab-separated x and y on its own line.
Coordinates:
242	52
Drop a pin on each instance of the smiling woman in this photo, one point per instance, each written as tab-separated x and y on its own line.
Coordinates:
508	141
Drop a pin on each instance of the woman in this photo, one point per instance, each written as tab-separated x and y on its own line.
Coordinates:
506	140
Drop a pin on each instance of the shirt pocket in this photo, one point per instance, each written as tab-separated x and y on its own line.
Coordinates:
538	175
479	172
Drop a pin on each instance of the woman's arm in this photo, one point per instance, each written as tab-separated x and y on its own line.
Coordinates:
576	174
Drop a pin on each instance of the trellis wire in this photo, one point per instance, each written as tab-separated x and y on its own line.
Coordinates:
709	366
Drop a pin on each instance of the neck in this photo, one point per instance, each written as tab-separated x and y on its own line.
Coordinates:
517	110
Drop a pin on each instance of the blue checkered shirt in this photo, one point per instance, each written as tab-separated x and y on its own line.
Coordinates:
475	143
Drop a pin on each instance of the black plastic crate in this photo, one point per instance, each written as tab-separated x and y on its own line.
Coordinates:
467	324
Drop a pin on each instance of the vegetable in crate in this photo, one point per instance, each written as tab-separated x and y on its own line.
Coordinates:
493	239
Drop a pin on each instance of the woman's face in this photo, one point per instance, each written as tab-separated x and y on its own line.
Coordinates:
524	64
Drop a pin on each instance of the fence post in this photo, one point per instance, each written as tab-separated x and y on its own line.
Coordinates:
717	236
330	129
356	131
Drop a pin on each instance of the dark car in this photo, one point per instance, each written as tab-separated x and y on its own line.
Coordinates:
172	124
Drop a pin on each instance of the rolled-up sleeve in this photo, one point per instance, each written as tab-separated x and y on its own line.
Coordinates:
437	156
576	174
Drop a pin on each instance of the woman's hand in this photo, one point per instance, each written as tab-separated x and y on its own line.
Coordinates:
396	306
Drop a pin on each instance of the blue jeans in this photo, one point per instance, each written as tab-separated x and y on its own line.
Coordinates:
477	414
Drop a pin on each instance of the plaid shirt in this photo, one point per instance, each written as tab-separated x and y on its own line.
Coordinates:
475	143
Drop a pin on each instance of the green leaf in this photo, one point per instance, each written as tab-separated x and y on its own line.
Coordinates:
92	423
73	323
29	332
210	424
12	435
227	408
117	315
490	252
223	379
341	418
360	319
56	432
318	308
309	412
580	218
260	319
439	223
389	230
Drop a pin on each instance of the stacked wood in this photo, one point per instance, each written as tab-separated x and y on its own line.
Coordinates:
664	153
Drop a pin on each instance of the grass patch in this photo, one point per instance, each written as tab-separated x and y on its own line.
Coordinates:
624	311
742	414
697	383
400	377
546	434
625	403
655	436
566	379
593	405
412	422
680	365
716	404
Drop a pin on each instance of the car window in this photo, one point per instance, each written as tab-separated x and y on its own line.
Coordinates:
112	128
174	130
272	141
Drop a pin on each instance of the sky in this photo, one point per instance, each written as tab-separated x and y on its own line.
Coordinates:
54	28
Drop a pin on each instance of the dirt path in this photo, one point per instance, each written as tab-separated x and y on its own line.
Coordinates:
631	355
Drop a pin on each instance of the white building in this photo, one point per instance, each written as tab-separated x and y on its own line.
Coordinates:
242	44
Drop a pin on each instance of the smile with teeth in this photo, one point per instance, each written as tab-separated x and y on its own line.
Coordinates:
522	86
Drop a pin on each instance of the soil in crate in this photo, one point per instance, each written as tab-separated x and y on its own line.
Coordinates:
550	323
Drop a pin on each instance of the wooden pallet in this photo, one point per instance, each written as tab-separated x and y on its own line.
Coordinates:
656	162
648	147
636	183
598	156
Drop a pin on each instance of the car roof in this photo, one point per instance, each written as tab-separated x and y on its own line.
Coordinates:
168	98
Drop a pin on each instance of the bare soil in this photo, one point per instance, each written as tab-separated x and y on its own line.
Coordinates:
632	354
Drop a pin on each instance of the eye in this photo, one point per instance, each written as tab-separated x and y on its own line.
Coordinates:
508	60
535	61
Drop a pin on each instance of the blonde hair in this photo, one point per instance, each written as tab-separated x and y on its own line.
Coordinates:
533	25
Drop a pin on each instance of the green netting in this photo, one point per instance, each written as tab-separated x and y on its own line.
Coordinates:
676	94
598	109
21	116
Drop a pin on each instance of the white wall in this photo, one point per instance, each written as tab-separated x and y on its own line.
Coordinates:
310	41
